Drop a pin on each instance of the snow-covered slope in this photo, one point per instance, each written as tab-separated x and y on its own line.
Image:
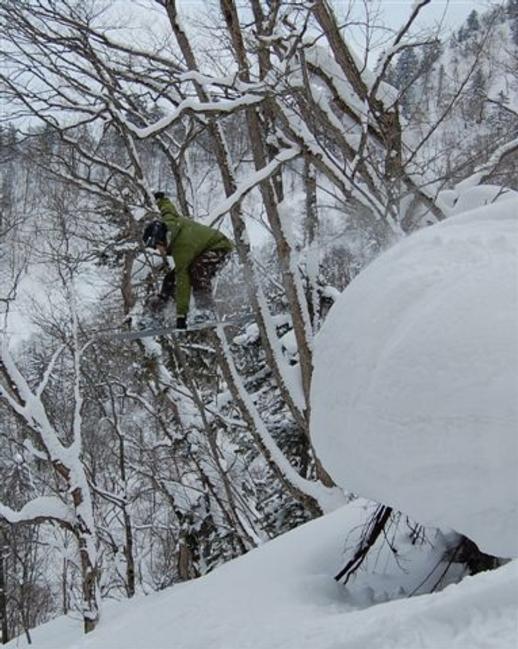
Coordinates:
282	596
415	391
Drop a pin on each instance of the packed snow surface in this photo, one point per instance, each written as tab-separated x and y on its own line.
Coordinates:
283	596
415	390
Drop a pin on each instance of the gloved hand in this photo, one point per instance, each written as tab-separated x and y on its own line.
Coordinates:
156	303
181	322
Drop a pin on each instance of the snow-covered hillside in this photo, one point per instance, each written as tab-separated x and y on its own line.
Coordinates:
282	596
134	469
415	391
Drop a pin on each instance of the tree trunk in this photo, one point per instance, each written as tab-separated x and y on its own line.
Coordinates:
89	585
270	197
255	295
186	569
128	554
311	241
3	596
128	528
87	542
64	586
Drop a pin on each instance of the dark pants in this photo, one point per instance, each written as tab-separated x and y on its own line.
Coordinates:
202	271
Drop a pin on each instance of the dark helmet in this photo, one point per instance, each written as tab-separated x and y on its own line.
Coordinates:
154	233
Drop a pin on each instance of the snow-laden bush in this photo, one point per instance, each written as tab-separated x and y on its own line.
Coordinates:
415	390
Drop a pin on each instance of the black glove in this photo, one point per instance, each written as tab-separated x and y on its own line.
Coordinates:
181	322
156	303
158	195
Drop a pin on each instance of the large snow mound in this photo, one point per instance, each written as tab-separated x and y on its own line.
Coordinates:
283	596
415	388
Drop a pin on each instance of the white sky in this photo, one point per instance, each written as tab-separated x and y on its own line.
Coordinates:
394	12
148	18
452	12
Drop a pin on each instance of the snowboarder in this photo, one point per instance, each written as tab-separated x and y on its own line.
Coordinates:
199	252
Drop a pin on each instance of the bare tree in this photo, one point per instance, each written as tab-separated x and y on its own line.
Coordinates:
72	508
3	592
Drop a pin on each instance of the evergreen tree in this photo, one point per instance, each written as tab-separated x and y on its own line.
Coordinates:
431	53
406	68
477	95
472	23
406	72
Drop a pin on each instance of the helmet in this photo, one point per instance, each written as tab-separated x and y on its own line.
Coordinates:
154	233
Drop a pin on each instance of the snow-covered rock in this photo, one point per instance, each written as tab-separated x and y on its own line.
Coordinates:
415	390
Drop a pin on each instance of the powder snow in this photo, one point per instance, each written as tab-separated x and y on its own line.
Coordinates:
415	390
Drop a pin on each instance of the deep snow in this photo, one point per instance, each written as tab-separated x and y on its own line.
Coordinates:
415	389
283	596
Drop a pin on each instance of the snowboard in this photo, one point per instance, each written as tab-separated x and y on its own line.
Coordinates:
152	332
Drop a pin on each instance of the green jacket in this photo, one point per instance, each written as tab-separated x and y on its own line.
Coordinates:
188	241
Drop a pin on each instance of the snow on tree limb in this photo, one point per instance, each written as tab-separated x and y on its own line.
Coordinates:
66	461
29	406
38	510
252	181
327	498
48	372
483	171
189	105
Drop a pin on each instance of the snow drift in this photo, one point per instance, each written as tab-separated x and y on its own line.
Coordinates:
415	390
283	596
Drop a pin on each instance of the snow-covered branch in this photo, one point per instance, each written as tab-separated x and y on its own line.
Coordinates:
484	170
39	510
252	181
312	493
77	511
190	106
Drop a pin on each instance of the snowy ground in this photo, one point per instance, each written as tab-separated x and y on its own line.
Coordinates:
283	596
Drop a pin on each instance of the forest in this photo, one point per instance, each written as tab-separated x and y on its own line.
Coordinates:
316	138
